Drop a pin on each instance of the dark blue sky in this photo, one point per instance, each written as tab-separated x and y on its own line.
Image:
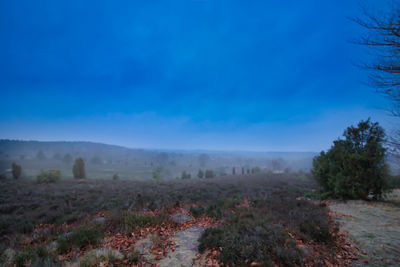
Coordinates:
236	75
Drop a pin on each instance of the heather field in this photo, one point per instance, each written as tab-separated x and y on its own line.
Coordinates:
250	220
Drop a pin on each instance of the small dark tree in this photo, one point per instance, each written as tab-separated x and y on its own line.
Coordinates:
79	169
115	177
233	171
200	174
157	174
185	175
16	170
355	167
242	170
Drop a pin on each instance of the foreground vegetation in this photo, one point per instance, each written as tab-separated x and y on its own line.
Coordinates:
261	218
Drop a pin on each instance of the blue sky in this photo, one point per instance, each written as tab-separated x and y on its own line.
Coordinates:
226	75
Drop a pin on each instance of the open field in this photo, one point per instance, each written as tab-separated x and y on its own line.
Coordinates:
256	220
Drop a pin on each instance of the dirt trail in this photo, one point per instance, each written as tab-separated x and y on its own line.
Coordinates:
186	243
374	228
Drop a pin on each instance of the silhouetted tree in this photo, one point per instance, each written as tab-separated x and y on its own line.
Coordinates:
383	37
200	174
79	169
242	170
16	170
233	171
354	167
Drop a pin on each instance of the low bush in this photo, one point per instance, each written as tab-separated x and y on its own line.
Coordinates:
33	256
251	238
82	236
128	221
49	176
197	211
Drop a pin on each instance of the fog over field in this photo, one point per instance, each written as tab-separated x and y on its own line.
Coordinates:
103	161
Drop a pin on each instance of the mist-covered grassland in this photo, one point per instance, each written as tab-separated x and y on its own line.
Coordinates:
151	208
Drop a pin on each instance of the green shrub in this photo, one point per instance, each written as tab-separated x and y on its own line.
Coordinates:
197	211
355	167
33	256
157	174
214	211
82	236
211	238
251	238
200	174
115	177
49	176
128	221
185	175
79	169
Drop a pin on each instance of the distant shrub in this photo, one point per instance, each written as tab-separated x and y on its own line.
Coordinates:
185	175
49	176
200	174
16	170
355	167
255	170
209	174
233	171
79	169
115	177
157	175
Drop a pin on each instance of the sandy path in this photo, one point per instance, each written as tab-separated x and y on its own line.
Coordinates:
374	228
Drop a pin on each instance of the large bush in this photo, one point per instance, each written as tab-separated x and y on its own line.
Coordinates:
355	167
49	176
79	169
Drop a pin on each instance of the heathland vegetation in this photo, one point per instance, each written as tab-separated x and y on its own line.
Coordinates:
240	209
